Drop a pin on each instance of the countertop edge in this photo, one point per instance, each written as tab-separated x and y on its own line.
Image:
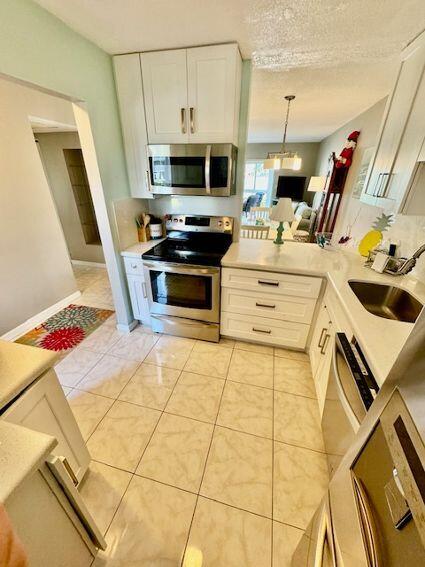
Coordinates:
22	450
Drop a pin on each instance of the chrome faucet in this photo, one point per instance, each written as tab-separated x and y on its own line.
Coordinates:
403	266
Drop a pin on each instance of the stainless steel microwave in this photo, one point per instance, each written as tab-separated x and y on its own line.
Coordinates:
192	169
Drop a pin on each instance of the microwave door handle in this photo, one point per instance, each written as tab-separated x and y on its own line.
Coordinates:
341	393
208	170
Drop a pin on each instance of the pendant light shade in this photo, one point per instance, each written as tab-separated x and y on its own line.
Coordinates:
283	159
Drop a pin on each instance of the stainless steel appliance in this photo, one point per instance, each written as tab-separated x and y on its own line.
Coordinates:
183	276
192	169
375	511
350	392
316	547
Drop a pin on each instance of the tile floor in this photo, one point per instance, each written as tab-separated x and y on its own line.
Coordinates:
203	454
94	286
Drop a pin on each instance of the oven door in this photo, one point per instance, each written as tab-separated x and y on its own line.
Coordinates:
192	169
182	290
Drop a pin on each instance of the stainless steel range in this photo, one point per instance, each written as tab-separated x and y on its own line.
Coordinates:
183	276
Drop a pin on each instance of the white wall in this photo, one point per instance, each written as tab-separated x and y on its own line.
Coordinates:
410	230
35	268
51	147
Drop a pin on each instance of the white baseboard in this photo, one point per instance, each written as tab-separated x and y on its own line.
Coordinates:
89	264
127	328
39	318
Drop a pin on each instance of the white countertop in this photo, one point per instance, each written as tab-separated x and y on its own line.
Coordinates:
21	452
140	248
381	339
19	366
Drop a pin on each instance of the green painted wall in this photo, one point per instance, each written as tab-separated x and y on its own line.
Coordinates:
37	47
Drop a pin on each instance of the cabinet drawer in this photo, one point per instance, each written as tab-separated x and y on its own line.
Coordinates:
271	282
133	266
262	330
280	307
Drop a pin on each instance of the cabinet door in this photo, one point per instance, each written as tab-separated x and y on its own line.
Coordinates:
321	328
214	74
165	87
43	407
392	129
139	298
407	158
324	365
128	78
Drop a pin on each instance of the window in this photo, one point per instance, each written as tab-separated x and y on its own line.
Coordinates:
81	189
258	179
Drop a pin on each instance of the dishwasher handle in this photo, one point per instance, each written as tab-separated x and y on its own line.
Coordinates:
355	423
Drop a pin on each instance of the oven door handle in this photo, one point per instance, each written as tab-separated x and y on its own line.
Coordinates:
355	423
181	268
208	170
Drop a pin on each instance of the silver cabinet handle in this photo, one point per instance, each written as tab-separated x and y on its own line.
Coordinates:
268	282
183	120
266	331
69	470
367	523
134	266
265	305
325	343
144	290
320	344
192	119
375	191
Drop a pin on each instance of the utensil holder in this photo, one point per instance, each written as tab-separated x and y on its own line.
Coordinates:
143	234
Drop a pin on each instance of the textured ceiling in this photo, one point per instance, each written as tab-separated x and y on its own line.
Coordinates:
337	56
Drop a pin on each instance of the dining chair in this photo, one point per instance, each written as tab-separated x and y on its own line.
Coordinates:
262	213
253	231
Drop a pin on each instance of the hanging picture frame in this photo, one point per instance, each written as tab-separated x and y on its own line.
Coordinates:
362	173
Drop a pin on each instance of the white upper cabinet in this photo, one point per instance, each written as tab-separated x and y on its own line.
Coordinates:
128	79
384	188
213	86
192	95
165	87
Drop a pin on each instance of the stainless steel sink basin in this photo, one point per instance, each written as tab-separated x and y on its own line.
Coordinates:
387	301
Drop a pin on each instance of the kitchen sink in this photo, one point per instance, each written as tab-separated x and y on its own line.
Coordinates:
388	301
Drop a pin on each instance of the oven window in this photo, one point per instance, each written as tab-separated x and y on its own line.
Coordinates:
185	171
181	290
218	171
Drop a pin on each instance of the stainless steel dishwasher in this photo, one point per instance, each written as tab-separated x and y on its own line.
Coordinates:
350	392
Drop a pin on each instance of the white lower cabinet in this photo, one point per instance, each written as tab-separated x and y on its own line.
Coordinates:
263	330
139	298
321	330
268	307
47	524
43	407
296	309
137	289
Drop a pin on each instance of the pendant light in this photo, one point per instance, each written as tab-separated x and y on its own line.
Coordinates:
283	159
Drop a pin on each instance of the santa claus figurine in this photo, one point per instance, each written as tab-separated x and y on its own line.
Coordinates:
346	156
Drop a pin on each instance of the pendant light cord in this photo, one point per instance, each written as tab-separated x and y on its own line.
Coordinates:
289	98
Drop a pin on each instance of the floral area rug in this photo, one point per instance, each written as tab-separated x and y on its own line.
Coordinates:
66	329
